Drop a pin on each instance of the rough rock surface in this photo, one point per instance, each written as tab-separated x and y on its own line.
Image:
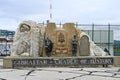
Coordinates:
28	39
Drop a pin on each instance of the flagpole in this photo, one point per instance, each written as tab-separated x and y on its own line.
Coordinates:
50	9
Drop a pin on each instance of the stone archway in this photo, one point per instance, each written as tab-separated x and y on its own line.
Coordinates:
84	46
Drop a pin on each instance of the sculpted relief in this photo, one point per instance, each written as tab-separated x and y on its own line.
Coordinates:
28	39
35	40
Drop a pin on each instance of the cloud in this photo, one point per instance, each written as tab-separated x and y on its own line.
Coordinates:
12	12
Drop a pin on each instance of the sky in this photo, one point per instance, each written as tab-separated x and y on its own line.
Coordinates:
13	12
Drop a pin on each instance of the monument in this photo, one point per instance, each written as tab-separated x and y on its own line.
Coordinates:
31	40
28	40
36	45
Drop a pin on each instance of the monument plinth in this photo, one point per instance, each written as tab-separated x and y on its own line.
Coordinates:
36	45
32	62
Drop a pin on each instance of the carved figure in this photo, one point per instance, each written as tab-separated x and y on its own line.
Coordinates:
24	27
48	46
74	46
27	40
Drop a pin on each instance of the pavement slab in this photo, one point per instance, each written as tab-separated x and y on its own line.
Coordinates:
53	73
60	74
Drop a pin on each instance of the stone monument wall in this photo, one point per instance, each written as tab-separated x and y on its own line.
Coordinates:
30	40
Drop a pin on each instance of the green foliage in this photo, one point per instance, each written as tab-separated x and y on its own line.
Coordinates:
116	50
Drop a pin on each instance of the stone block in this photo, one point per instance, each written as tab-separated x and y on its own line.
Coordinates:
86	61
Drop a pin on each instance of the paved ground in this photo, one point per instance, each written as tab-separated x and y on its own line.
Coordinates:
60	73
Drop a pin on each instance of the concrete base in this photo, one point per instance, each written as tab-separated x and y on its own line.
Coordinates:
85	61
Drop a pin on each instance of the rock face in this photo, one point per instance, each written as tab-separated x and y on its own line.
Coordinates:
92	47
28	39
67	41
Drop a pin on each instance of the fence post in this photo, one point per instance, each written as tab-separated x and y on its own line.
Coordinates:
60	25
43	23
92	32
6	35
76	24
109	38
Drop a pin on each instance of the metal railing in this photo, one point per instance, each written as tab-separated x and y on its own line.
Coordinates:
93	27
108	27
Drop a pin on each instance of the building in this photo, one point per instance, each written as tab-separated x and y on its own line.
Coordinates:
6	39
102	38
116	47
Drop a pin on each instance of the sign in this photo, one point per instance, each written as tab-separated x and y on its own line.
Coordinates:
61	62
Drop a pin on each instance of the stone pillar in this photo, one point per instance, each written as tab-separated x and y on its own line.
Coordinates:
84	46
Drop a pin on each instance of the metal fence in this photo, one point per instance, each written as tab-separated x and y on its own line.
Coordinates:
93	27
115	28
109	36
